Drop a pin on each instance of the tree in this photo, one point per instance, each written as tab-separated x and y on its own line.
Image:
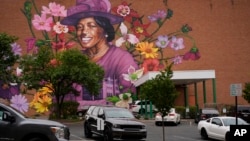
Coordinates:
161	91
246	92
7	58
62	70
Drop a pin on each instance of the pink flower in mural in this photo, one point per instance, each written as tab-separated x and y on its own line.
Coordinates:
161	14
30	43
55	10
59	28
162	41
177	43
193	54
177	59
18	71
16	49
126	37
126	12
19	102
42	22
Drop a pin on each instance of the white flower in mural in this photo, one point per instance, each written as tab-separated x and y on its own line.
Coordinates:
133	74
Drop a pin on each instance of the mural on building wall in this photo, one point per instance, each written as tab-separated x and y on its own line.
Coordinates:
116	37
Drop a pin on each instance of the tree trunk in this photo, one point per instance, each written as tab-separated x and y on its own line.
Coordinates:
163	129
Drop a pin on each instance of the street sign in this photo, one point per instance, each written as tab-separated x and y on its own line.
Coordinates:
236	89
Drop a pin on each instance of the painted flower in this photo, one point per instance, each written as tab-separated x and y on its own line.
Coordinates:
16	49
126	12
177	59
193	54
55	10
30	43
140	29
161	14
19	102
133	74
43	103
147	49
177	43
42	22
162	41
62	45
59	28
42	99
125	36
151	65
18	71
125	99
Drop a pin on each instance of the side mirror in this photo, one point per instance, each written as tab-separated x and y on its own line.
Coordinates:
6	116
101	116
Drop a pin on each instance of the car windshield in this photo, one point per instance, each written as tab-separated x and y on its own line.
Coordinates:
232	121
118	113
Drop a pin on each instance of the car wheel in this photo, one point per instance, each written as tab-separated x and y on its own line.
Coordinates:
157	123
142	111
107	135
36	139
227	136
204	133
87	131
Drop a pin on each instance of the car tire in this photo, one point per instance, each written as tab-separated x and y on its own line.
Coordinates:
36	139
204	134
107	135
87	131
227	136
142	111
157	123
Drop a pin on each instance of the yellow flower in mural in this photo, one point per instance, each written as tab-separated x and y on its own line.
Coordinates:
47	89
42	99
147	49
42	104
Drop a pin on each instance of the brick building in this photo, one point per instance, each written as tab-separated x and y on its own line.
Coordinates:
220	28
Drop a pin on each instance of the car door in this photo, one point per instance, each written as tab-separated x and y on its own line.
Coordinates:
6	130
93	119
217	129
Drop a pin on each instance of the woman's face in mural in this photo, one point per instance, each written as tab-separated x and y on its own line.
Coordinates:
89	33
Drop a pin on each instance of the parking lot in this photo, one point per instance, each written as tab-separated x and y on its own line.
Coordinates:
186	131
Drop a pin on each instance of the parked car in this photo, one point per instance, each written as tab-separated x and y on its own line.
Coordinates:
14	126
140	107
206	113
171	117
218	127
242	110
113	123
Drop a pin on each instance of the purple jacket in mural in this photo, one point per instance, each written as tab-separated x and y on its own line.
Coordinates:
115	63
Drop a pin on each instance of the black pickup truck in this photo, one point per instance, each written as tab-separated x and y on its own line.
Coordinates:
14	126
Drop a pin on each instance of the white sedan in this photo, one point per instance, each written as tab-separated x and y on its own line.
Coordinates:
218	127
171	117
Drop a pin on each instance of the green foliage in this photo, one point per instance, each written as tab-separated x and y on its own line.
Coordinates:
69	109
7	57
246	92
160	90
68	67
113	99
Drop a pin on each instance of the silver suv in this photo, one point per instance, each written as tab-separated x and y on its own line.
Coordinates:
16	127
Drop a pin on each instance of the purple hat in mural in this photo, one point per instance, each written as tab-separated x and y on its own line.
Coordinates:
90	8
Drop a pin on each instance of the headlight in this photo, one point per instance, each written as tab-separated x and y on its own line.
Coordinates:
116	126
143	127
58	131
